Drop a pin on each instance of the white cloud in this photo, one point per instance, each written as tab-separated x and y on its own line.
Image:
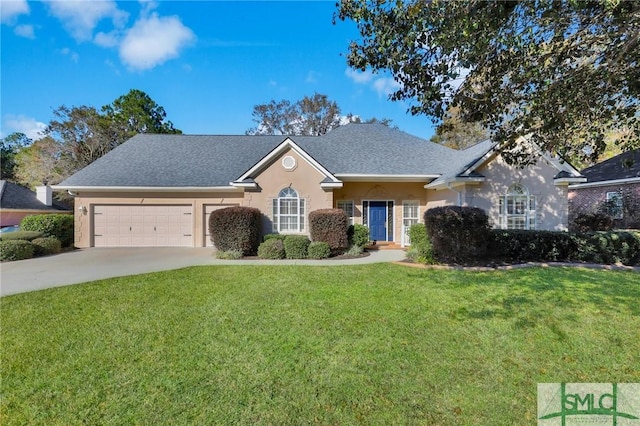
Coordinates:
11	9
359	77
312	77
106	39
383	85
80	18
23	124
154	40
71	54
25	31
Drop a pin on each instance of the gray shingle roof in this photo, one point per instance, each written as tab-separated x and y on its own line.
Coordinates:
14	196
205	161
623	166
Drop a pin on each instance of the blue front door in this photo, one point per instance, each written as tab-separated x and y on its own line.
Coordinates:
378	220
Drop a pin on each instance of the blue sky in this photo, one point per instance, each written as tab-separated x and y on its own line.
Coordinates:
206	62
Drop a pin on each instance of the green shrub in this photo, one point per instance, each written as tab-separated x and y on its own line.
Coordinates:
16	250
319	250
531	246
354	250
59	226
609	247
280	237
295	246
229	254
588	222
458	234
271	248
236	228
358	235
21	235
421	250
46	246
330	226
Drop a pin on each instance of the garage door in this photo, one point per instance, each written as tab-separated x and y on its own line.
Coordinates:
208	208
142	226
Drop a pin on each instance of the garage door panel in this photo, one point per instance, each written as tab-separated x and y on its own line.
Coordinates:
138	225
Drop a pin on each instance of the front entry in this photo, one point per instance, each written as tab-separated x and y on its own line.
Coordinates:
378	220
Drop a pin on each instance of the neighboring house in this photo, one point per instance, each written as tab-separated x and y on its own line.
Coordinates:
160	189
16	202
612	186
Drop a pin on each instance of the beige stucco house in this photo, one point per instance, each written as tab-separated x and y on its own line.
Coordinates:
158	190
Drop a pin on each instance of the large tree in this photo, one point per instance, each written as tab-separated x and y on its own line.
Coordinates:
458	134
10	146
311	116
77	136
566	72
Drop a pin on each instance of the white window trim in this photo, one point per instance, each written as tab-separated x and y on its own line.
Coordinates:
277	205
529	214
406	241
351	214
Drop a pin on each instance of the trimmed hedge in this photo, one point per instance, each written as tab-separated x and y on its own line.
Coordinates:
46	246
59	226
555	246
319	250
271	248
16	250
236	228
588	222
280	237
458	234
295	246
358	235
330	226
21	235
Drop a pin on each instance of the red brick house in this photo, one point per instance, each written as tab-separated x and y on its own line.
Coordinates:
613	187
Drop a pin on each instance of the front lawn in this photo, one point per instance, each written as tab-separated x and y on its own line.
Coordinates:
371	344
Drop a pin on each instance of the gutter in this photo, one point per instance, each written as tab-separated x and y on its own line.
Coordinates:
75	189
605	183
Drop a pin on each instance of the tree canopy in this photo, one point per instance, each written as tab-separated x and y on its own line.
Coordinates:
9	148
458	134
79	135
564	72
311	116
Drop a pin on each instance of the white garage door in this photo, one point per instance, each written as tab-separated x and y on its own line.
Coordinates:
142	226
208	208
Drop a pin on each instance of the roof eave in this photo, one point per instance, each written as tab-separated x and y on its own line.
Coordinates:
128	189
586	184
568	180
357	177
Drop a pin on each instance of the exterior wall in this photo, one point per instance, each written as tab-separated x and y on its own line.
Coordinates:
10	217
551	200
85	202
383	191
303	178
590	199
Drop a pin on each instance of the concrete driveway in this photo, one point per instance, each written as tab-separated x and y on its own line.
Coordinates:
93	264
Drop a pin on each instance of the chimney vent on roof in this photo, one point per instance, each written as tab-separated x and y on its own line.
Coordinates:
44	194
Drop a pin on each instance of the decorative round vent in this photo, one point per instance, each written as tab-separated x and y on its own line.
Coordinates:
289	163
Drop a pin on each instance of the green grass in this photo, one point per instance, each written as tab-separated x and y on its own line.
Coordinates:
372	344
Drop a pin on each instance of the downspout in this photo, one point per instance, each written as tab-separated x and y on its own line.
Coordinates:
457	192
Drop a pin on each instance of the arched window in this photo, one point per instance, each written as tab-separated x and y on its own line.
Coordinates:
518	208
288	212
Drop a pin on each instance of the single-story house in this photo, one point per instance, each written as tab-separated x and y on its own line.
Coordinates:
615	182
158	190
17	201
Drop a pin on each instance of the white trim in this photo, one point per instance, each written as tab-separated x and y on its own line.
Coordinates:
288	143
244	184
568	181
147	188
357	177
331	185
605	183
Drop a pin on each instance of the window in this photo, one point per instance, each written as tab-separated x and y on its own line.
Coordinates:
288	212
410	216
614	204
518	209
347	207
